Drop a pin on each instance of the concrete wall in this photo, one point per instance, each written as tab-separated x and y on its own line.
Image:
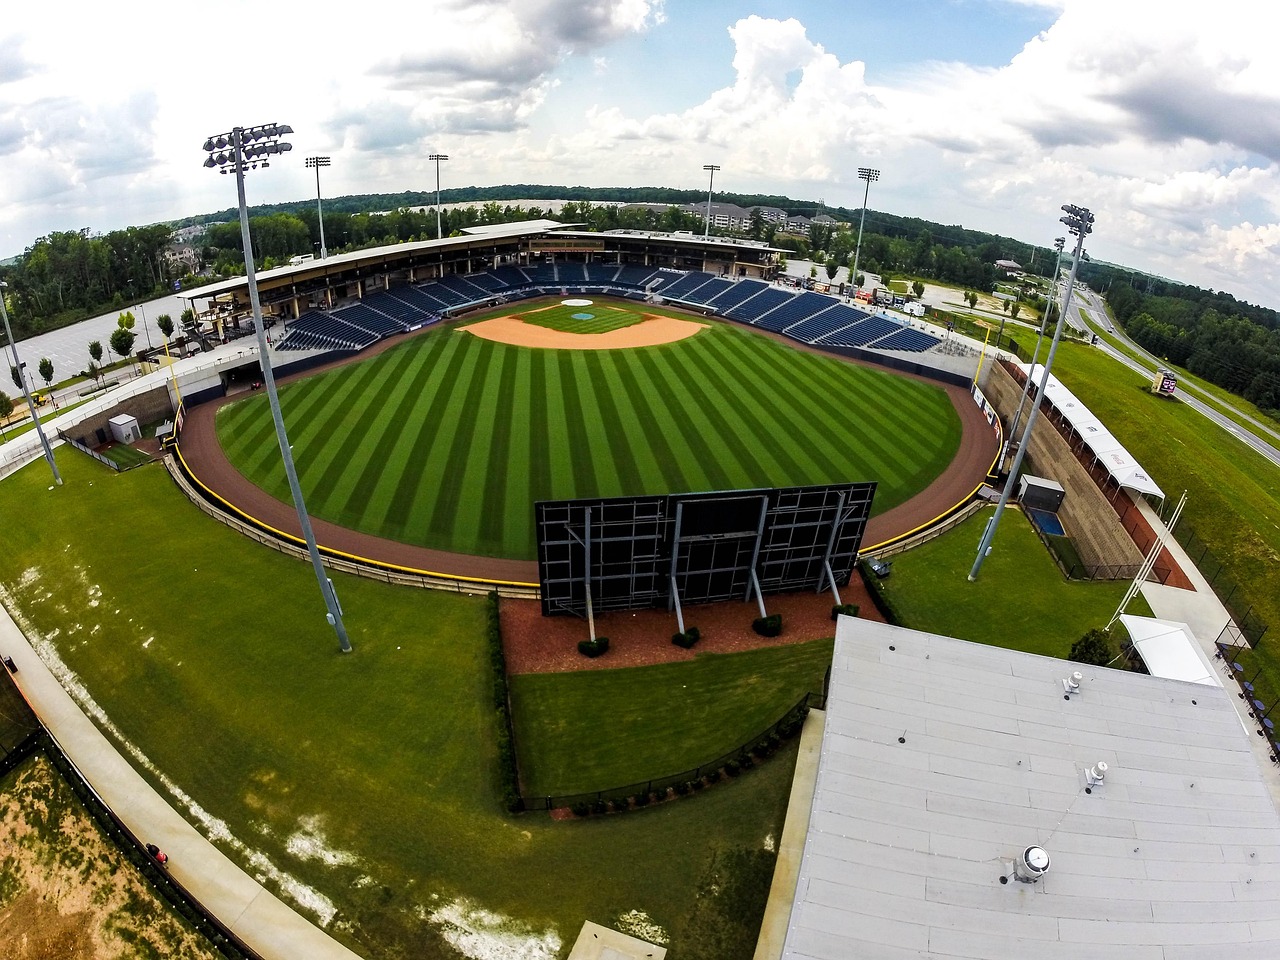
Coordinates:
1086	514
147	407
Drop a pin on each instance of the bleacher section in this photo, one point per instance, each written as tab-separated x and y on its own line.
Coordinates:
861	334
794	310
808	317
753	308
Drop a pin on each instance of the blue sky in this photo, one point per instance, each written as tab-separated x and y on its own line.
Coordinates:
1162	118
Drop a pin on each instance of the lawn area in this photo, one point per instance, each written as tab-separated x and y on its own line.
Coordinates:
364	787
1233	499
447	440
1019	600
598	729
125	456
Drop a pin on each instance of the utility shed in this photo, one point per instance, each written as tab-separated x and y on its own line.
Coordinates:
943	763
125	429
1040	493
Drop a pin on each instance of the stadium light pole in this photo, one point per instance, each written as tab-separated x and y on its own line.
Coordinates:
437	157
869	175
265	141
1058	244
316	163
1080	222
711	168
26	390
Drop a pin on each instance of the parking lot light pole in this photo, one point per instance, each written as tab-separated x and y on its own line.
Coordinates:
26	390
711	168
264	142
1080	222
437	157
315	163
869	175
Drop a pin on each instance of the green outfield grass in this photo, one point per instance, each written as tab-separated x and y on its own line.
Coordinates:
447	440
366	784
598	729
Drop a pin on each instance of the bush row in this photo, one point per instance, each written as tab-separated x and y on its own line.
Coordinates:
508	768
875	587
845	609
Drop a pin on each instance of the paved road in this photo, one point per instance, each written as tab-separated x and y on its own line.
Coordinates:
1087	311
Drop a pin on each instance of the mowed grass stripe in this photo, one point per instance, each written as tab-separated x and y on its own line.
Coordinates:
655	455
516	514
600	432
354	421
461	427
366	491
489	539
613	426
560	440
412	448
579	450
752	460
478	452
539	431
700	461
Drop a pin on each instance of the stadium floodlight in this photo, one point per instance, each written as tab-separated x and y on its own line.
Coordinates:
710	168
870	175
437	157
227	151
1050	303
1080	222
26	390
316	163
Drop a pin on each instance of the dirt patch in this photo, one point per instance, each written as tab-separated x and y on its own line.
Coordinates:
536	644
66	893
647	333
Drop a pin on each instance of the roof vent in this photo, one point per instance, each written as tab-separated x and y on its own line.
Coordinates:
1071	684
1031	865
1097	773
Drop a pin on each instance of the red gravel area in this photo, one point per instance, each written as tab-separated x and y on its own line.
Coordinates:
204	456
537	644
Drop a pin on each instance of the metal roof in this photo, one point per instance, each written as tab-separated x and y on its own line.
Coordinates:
942	760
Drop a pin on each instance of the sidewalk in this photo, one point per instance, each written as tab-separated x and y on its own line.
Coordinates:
1202	612
256	916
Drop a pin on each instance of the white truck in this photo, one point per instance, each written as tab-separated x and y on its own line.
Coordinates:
913	309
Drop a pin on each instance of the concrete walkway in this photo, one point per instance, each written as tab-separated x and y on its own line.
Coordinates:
1202	611
256	916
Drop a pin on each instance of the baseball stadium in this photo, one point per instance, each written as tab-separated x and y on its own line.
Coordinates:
588	505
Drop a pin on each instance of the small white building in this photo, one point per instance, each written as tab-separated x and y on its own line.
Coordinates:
125	429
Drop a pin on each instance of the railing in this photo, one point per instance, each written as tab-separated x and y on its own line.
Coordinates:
924	536
1252	627
725	766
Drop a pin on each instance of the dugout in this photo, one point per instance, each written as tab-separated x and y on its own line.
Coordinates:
1040	493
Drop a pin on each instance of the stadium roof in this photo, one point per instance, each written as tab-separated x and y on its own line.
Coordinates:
943	760
1106	449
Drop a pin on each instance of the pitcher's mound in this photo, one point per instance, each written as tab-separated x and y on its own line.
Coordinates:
577	302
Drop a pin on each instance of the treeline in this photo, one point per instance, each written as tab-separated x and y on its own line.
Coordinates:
1233	344
72	274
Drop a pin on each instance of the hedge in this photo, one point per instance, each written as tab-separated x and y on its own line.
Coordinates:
508	767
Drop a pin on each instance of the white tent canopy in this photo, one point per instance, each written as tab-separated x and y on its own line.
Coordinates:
1169	650
1120	463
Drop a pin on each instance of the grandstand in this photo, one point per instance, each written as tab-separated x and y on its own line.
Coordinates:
807	317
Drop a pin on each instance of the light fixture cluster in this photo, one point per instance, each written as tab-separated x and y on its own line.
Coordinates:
256	145
1078	219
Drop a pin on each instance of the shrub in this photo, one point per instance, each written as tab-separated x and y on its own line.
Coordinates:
618	804
508	767
769	626
732	768
599	806
593	648
581	809
845	609
682	788
642	799
747	761
697	784
686	639
1094	647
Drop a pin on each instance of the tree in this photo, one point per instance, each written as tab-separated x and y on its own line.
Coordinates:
94	371
188	318
859	280
833	267
918	289
1015	310
17	377
46	370
6	410
1094	647
122	341
813	271
126	321
165	323
973	300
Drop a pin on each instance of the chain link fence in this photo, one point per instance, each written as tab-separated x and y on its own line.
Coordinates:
1252	627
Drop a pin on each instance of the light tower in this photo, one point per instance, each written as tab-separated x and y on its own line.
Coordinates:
711	168
231	153
26	390
316	163
869	175
437	157
1080	222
